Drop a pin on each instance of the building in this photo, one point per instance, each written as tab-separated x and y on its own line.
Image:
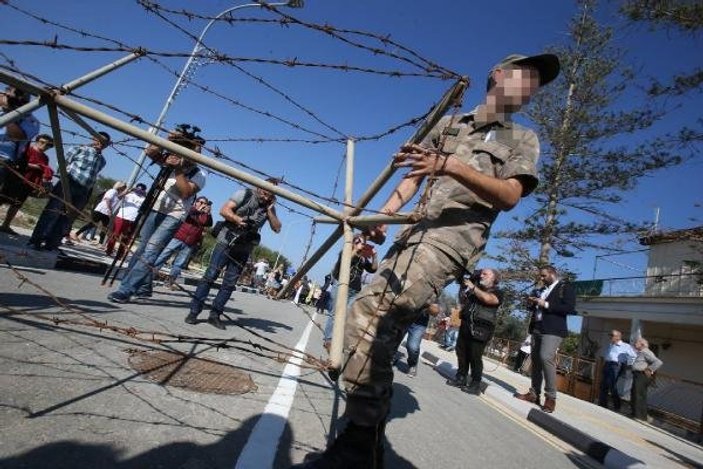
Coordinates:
666	307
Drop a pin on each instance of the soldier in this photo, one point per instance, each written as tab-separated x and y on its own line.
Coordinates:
483	164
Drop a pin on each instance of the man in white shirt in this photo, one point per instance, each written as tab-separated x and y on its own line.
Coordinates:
262	268
617	356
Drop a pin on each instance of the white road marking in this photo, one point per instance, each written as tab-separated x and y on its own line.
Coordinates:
260	449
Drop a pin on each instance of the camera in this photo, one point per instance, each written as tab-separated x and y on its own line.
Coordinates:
15	97
246	235
475	276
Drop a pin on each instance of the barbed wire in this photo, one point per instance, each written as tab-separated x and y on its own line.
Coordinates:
237	103
257	78
162	337
287	19
136	118
224	58
324	138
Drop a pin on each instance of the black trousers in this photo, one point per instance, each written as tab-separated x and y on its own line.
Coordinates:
469	354
638	395
611	371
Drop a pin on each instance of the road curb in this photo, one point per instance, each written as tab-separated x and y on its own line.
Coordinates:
601	452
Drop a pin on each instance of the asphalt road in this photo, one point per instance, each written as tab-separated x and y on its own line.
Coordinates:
69	397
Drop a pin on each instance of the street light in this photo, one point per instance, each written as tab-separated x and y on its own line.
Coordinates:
287	229
186	69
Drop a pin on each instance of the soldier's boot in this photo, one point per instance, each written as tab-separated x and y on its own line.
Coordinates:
358	446
473	388
458	381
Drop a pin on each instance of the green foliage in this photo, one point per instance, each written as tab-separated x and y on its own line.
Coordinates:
271	256
570	344
512	327
683	15
33	207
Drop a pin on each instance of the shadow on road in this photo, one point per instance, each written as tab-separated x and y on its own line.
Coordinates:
27	302
260	324
185	454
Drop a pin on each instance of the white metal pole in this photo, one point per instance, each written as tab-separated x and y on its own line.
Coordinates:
36	103
340	309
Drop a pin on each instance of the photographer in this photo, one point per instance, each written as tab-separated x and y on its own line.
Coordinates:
184	242
363	259
33	178
244	213
481	299
16	135
176	197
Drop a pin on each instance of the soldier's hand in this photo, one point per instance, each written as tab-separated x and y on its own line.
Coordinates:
376	234
422	161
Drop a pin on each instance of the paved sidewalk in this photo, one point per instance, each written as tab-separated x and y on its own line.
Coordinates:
580	423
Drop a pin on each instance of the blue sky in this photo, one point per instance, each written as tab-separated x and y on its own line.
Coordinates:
466	37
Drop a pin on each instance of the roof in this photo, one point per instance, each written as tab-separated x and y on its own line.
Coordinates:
660	237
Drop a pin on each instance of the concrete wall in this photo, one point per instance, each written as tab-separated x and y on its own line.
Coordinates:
671	259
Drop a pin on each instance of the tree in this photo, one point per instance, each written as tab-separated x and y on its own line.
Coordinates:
271	257
676	16
587	128
683	15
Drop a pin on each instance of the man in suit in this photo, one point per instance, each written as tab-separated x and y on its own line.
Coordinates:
548	329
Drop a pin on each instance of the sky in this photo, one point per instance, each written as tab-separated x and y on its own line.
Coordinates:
465	37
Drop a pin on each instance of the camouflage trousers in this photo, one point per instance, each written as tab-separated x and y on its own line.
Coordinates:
408	279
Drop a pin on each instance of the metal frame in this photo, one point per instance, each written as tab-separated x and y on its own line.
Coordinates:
347	219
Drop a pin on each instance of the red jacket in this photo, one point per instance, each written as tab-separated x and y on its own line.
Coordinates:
37	175
191	230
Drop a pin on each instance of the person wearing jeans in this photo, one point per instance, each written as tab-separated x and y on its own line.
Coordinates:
416	332
548	329
244	213
452	332
166	215
83	163
232	263
189	234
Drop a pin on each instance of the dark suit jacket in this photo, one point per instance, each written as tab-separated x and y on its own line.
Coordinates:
562	302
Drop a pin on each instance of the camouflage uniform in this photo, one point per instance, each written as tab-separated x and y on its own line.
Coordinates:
429	255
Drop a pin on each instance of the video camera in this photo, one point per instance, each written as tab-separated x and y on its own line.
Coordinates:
474	276
186	135
243	235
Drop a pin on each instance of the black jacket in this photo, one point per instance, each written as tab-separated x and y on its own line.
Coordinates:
562	302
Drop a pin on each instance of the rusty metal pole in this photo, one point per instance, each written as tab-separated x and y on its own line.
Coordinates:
191	155
371	220
36	103
340	307
58	146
